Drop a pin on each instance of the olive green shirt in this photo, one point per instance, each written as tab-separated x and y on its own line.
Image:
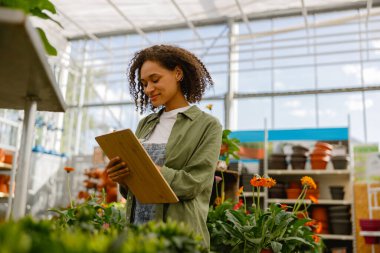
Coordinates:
192	153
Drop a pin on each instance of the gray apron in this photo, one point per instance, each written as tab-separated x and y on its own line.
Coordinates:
143	213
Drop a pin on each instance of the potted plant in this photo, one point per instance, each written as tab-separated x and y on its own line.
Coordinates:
239	228
41	9
229	147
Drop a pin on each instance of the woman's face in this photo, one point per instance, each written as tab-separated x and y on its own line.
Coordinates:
162	85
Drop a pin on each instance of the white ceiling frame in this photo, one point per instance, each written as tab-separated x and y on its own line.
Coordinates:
90	35
369	6
188	22
244	16
136	28
326	23
304	14
214	42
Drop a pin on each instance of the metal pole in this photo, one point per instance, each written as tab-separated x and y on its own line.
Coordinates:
22	175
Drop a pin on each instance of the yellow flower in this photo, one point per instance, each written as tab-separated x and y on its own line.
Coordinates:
240	191
209	106
309	182
218	201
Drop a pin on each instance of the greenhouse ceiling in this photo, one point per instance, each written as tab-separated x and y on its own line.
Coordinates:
88	18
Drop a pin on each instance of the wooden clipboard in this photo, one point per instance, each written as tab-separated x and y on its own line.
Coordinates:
145	180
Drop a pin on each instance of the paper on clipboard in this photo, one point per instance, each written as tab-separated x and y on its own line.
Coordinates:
145	180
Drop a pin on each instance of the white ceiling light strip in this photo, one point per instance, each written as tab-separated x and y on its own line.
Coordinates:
136	28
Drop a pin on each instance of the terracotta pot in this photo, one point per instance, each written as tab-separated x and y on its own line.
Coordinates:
223	149
294	185
293	193
319	213
301	214
255	153
266	251
3	185
324	145
339	250
2	155
322	152
319	163
8	158
312	192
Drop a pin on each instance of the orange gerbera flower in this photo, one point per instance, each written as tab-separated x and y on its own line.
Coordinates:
240	191
313	199
69	169
284	207
258	181
310	223
316	238
270	182
309	182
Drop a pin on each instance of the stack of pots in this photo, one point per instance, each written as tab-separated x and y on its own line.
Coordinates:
277	161
294	190
319	213
340	162
340	220
4	184
337	192
320	155
299	157
277	191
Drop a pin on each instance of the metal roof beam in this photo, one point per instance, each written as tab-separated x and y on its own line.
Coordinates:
304	14
252	16
188	22
89	35
214	42
369	6
243	16
136	28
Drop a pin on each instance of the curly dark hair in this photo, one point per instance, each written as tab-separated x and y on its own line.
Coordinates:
195	80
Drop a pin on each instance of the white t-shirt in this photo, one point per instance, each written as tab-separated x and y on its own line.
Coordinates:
163	129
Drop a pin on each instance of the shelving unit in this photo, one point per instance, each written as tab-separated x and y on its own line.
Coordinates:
325	178
27	83
10	169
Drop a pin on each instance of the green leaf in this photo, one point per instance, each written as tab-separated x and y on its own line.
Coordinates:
276	247
38	13
48	47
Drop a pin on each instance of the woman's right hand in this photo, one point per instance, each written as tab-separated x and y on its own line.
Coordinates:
117	170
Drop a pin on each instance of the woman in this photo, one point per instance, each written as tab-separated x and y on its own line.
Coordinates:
183	141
